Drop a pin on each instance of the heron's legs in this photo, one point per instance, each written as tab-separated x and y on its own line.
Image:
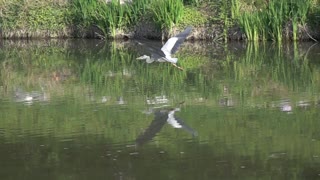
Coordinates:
177	66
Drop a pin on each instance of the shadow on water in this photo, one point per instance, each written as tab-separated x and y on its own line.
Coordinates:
72	110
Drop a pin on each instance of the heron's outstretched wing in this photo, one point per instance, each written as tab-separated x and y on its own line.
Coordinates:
149	47
172	45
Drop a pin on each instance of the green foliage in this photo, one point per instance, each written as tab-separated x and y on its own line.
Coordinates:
313	18
253	26
270	22
20	14
139	8
46	18
109	17
191	16
192	2
235	8
167	13
226	18
260	20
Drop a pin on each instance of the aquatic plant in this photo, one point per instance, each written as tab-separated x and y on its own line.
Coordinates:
225	17
138	9
235	9
109	17
166	13
253	26
269	23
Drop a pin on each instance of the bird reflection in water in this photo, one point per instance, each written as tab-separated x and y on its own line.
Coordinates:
161	117
29	97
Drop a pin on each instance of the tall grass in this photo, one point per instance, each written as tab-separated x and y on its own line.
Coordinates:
299	12
192	2
249	26
225	17
109	17
139	8
235	8
266	22
270	22
277	14
166	13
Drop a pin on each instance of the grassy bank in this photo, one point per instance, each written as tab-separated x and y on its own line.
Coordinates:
276	20
27	19
257	20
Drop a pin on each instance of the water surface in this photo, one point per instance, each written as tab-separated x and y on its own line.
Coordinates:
87	109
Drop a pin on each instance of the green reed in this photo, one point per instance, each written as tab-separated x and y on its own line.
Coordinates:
84	11
192	2
117	16
268	23
139	8
167	13
276	16
109	17
225	17
299	11
235	8
249	26
294	28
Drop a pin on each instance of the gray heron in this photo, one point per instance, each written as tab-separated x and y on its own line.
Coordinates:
167	50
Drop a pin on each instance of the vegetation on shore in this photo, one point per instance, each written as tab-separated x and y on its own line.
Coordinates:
257	19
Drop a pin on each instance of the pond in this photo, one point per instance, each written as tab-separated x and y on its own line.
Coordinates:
87	109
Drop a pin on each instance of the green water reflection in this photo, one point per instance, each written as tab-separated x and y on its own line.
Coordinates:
80	109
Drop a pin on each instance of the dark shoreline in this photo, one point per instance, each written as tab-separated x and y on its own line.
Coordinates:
149	31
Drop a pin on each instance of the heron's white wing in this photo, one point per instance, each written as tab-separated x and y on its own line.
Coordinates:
167	47
172	45
181	37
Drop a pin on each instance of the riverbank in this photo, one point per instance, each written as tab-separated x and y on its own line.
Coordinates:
212	20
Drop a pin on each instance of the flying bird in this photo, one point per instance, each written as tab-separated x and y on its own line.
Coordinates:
167	50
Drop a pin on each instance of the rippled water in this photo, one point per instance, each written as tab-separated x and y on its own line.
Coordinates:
86	109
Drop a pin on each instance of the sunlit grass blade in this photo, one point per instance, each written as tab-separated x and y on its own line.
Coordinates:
167	12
